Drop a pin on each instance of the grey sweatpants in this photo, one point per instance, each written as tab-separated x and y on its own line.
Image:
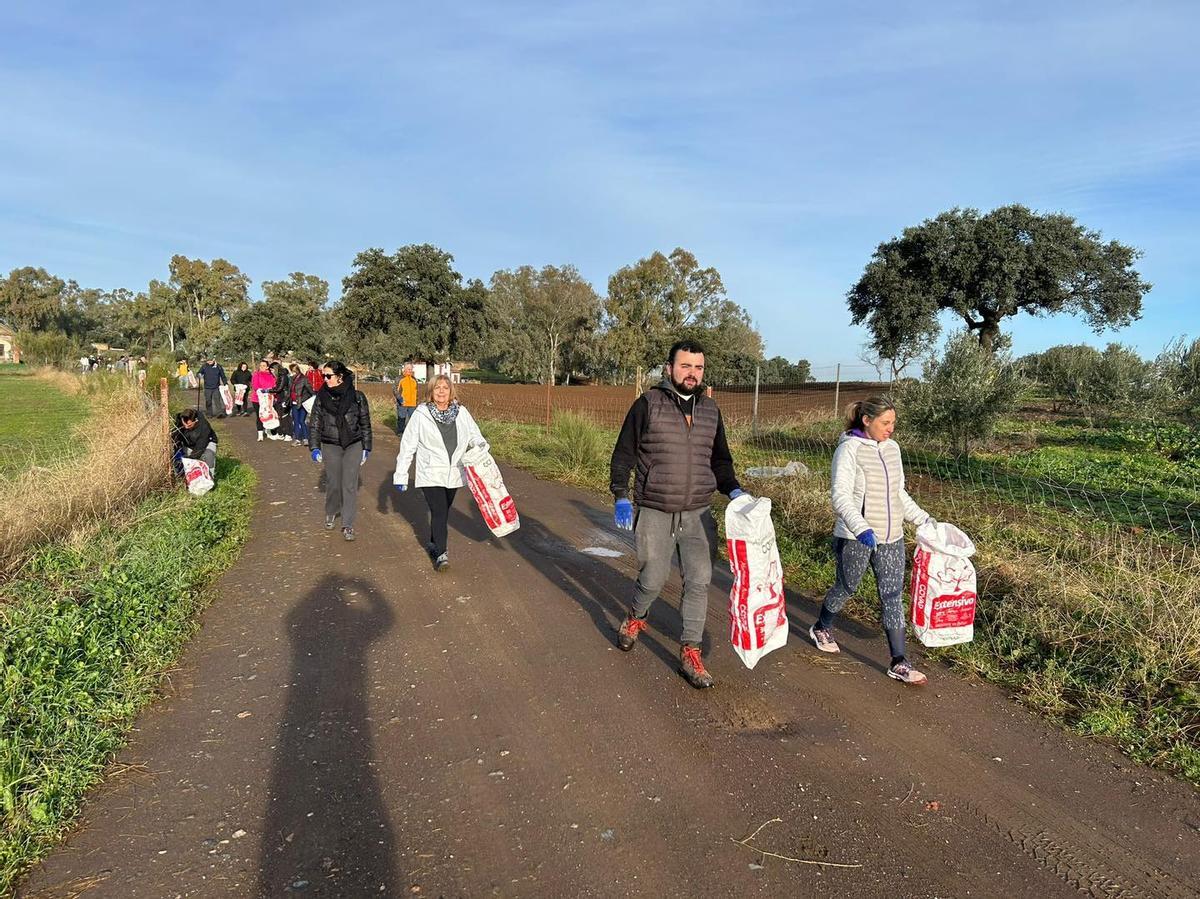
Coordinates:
887	561
341	480
661	537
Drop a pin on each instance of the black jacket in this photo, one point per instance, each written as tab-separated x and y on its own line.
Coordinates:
301	389
283	389
195	441
663	459
241	377
323	425
213	376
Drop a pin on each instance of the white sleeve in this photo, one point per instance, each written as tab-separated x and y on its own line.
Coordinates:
408	449
845	468
912	512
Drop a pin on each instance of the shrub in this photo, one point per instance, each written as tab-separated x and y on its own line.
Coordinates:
963	394
581	445
48	348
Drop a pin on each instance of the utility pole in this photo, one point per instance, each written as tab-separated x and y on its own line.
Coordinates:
837	389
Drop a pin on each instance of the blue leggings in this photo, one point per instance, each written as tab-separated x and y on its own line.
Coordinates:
887	561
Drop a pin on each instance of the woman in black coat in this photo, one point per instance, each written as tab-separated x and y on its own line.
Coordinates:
340	436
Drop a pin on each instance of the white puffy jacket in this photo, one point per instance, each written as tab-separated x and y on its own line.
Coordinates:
868	490
423	440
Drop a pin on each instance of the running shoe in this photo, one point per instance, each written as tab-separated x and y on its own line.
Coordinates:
907	674
822	639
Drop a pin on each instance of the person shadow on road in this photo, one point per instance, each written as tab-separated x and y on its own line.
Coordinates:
326	829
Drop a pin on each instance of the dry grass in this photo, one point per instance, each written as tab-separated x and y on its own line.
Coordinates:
124	458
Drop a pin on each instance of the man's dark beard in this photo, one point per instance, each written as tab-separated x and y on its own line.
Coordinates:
680	388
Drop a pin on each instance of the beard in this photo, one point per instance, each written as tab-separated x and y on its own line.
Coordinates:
689	387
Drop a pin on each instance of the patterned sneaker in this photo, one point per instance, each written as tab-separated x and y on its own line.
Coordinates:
441	563
691	666
628	634
348	534
822	639
907	674
329	522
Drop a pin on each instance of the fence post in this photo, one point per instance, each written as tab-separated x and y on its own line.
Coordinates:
637	383
164	419
754	414
837	389
548	389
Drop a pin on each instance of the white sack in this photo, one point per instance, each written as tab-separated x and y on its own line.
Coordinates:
198	477
757	615
483	477
943	586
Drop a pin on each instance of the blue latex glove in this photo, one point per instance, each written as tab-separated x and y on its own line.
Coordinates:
867	538
178	456
364	459
401	487
737	492
316	455
623	515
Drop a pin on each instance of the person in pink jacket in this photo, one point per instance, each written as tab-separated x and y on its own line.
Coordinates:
261	380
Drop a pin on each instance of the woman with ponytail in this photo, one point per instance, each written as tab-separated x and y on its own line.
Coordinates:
871	506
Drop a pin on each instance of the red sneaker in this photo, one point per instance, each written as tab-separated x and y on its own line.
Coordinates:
628	634
691	666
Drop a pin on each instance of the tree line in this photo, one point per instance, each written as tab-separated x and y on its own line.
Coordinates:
543	324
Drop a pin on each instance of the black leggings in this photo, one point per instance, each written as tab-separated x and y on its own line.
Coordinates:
439	500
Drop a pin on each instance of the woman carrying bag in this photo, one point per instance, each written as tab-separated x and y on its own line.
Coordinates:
260	380
301	390
437	434
240	380
340	435
871	506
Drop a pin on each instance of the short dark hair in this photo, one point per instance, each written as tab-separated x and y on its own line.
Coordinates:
688	346
189	415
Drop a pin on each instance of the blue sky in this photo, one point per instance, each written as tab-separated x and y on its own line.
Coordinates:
780	142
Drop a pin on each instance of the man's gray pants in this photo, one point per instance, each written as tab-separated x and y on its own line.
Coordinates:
341	480
663	536
213	404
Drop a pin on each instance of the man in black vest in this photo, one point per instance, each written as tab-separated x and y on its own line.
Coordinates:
675	438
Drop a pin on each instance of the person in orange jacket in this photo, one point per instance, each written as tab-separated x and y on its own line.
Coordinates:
405	393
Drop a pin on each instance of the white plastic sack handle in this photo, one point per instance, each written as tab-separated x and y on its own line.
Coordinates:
945	538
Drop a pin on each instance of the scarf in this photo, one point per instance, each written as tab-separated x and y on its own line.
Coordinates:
443	418
336	401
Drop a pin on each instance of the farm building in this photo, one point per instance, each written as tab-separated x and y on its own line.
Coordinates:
8	345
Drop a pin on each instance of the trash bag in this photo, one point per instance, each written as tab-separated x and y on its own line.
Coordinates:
239	394
227	399
192	382
791	470
943	586
757	615
483	477
266	411
197	476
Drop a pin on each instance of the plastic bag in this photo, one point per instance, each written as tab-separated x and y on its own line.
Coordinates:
943	586
483	477
197	476
227	399
266	411
791	470
757	614
239	394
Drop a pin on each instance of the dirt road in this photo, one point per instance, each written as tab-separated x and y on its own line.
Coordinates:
349	723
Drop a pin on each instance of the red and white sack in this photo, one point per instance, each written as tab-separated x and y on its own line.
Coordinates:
758	620
239	394
943	586
197	476
266	411
227	399
483	477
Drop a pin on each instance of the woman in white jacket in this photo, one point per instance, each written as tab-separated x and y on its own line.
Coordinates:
871	505
437	434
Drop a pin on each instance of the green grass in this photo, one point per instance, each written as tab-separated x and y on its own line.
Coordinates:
36	422
86	631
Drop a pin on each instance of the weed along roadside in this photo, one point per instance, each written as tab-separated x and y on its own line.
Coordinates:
89	621
1093	624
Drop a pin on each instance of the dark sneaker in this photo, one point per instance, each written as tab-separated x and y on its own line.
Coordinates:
822	639
429	551
691	666
348	534
329	522
907	674
628	634
441	563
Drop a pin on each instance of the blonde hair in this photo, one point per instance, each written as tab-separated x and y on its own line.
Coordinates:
434	383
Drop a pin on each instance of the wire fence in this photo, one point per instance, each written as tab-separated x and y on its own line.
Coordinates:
1039	460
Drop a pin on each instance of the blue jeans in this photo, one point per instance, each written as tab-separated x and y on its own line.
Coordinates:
300	423
402	415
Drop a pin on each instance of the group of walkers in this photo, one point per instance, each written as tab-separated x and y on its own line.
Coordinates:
672	442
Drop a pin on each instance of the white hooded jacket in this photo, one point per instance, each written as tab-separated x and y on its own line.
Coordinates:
423	440
868	490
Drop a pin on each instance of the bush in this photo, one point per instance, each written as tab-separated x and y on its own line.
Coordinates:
963	394
48	348
580	444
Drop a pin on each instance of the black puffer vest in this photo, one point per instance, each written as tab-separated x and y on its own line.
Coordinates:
674	463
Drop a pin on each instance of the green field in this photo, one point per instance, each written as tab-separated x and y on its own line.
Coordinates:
37	422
